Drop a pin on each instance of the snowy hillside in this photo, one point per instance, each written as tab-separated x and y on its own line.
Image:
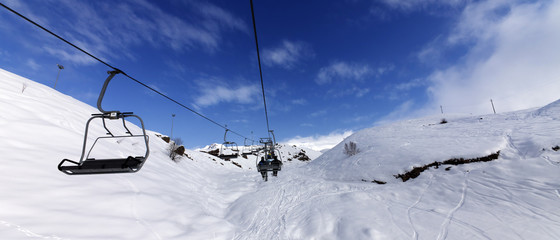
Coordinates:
516	196
246	156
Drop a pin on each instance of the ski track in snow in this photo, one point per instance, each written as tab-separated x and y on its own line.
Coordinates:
404	231
520	203
28	232
261	218
414	232
134	210
512	196
445	225
467	226
551	162
270	221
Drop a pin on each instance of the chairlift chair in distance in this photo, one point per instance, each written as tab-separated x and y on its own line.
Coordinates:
271	161
247	149
88	165
228	149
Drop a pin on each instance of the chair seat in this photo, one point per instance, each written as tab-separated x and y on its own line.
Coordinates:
99	166
269	166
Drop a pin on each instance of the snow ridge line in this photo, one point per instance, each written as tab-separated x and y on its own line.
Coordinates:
27	232
445	225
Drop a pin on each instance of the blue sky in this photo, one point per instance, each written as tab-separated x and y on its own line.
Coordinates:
330	68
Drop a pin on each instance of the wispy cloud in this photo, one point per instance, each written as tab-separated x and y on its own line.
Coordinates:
319	142
75	57
417	82
287	55
509	58
349	91
349	77
299	101
341	71
155	87
318	113
403	89
120	26
32	64
403	111
408	5
216	92
217	18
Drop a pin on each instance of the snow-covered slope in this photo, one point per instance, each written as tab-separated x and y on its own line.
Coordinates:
516	196
165	200
396	148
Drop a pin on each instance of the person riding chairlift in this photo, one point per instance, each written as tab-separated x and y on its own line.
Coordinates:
261	163
273	159
276	162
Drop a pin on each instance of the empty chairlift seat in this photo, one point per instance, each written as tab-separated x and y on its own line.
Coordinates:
87	165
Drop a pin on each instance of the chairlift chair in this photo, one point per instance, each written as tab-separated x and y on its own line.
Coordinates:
228	149
271	161
88	165
247	149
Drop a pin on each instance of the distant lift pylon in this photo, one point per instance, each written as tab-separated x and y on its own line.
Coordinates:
88	165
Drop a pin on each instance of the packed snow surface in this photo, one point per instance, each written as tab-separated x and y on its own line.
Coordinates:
516	196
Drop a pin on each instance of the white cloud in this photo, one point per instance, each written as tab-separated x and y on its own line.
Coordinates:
217	18
319	142
32	64
410	5
287	55
512	58
212	94
300	101
349	91
349	71
405	86
403	111
120	26
75	56
318	113
402	90
155	87
343	70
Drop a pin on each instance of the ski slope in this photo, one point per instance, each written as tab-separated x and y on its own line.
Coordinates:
516	196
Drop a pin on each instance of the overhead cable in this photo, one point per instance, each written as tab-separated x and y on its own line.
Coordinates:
114	68
260	69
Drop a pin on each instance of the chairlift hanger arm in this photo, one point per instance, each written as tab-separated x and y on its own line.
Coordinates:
225	134
273	137
115	69
104	89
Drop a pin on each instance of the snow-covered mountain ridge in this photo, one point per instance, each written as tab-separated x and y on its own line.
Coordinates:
398	147
516	196
246	156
